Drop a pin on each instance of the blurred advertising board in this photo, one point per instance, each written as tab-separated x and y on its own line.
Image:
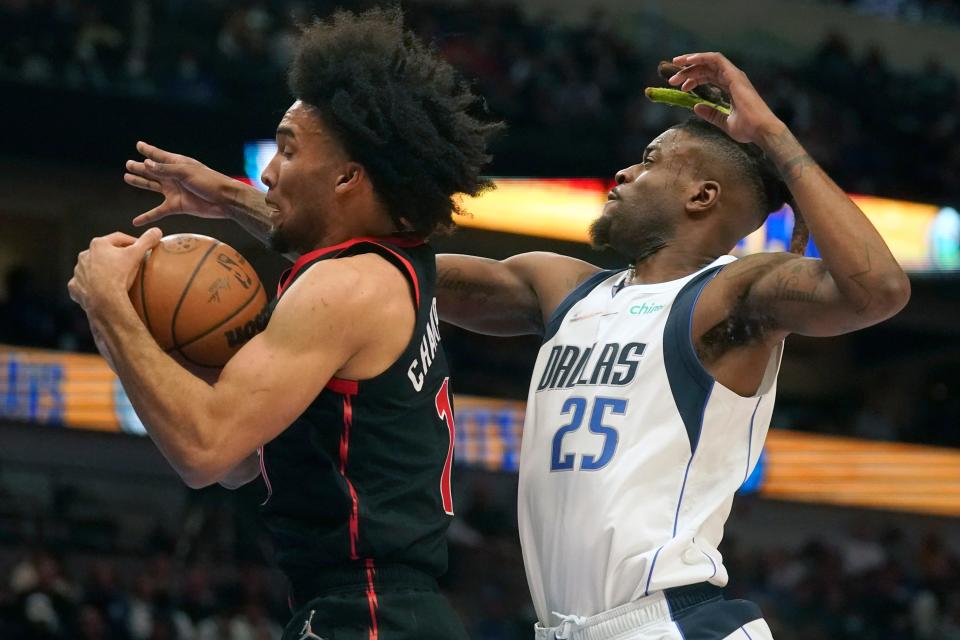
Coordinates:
60	389
79	391
924	237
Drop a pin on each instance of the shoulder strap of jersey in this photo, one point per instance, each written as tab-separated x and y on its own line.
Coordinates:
391	248
394	250
579	293
690	383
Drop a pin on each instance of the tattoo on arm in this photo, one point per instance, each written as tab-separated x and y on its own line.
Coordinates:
792	170
735	272
800	283
857	279
453	281
746	325
785	145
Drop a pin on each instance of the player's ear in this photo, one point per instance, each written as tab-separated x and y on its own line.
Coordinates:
704	197
351	176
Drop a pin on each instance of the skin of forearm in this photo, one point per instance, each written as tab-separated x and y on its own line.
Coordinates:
248	208
852	250
168	399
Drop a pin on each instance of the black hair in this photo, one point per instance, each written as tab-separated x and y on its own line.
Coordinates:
769	190
399	110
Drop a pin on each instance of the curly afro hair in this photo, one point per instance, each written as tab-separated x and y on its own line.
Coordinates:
399	110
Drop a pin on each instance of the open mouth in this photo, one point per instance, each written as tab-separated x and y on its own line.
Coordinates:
274	209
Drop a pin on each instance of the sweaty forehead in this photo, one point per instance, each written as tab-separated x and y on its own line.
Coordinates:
677	151
304	124
673	142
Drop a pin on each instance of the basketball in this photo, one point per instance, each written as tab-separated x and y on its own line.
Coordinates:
199	298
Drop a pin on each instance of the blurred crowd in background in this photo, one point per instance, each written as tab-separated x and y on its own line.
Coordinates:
910	10
546	79
865	583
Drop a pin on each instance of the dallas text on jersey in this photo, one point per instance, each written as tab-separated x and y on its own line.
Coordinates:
569	366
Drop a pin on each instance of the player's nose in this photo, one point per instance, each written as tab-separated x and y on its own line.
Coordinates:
625	175
269	175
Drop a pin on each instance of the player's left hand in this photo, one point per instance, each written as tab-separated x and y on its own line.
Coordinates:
105	271
750	118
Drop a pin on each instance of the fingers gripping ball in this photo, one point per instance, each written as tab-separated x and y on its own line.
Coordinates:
199	298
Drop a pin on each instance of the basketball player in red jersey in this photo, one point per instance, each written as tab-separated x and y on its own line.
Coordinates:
349	425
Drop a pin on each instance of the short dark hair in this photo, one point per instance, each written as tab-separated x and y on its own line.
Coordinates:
769	190
399	110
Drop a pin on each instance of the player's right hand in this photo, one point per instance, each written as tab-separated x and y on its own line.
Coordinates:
187	186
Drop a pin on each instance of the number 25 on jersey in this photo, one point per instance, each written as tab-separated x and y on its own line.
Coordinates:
577	406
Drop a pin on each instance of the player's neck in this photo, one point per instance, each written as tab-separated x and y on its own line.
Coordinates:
671	262
372	228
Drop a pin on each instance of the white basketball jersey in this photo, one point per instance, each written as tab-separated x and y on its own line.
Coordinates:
631	451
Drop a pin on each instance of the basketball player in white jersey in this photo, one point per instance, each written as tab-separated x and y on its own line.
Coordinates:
653	390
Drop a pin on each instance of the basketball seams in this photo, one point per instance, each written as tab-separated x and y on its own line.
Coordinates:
202	325
183	296
194	362
230	317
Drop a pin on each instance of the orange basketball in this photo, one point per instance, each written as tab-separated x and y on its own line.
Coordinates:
199	298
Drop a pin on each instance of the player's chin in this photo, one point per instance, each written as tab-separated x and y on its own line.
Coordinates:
600	231
277	239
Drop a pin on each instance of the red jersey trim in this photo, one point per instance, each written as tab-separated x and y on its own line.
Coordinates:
354	523
288	276
344	386
372	600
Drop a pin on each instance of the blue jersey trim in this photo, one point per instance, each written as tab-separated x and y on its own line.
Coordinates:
690	383
646	590
746	472
579	293
714	619
745	633
694	540
712	575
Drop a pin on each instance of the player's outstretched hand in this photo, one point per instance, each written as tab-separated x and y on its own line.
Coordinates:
750	118
187	186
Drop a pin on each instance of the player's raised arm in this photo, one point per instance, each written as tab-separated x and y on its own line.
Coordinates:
189	187
508	297
857	283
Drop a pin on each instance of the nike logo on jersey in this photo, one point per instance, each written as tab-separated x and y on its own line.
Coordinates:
593	315
612	364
